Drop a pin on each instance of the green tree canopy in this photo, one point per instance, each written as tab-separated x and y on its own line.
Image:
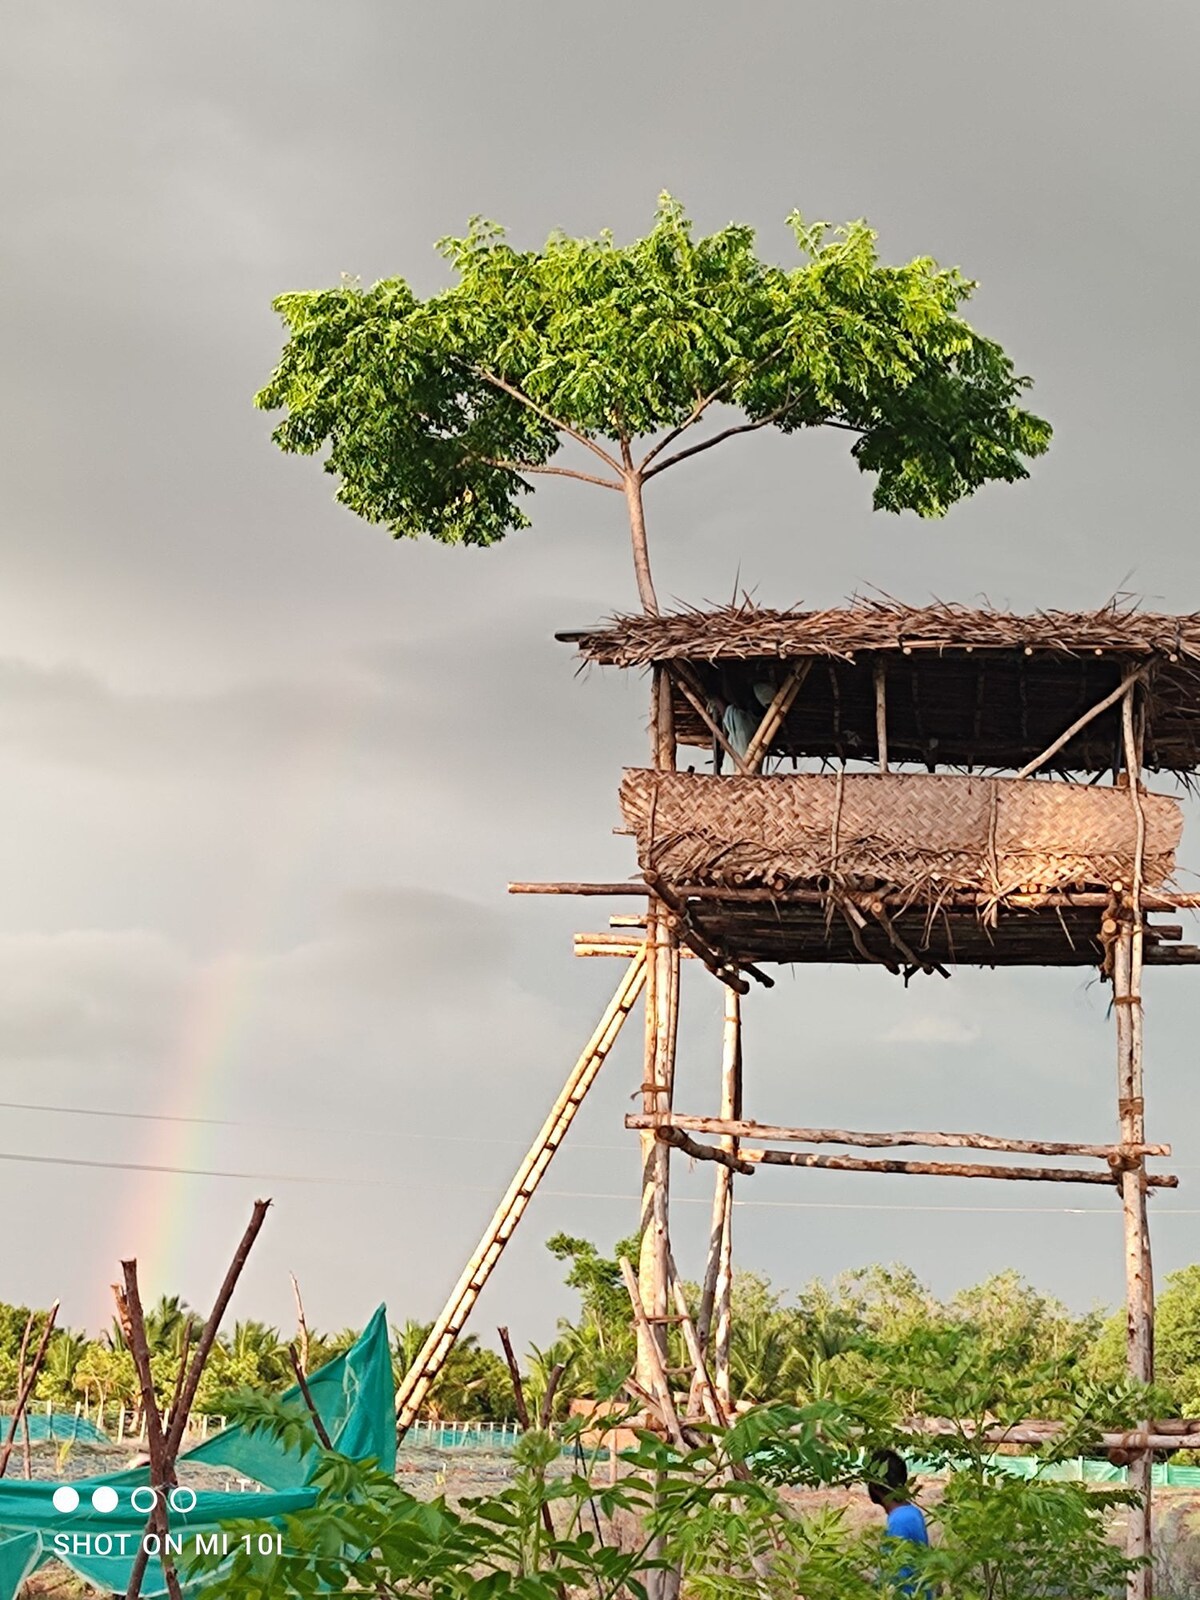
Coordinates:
613	363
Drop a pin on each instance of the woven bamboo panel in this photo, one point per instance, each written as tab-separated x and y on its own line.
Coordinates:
910	830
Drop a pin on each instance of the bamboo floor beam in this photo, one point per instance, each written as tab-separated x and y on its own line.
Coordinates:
745	1160
433	1354
1133	1441
737	1128
1086	899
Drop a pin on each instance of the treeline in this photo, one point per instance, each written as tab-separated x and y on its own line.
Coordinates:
877	1328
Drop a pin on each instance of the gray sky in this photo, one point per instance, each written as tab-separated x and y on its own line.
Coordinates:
265	774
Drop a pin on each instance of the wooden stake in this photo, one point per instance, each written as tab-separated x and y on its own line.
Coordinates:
163	1443
297	1366
212	1327
27	1381
433	1354
737	1128
514	1373
162	1474
301	1324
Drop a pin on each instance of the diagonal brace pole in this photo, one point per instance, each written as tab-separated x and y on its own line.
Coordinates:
436	1350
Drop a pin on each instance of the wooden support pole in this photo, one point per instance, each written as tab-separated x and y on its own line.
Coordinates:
881	713
1041	1433
713	1320
764	735
732	1128
929	1169
1128	950
696	701
1084	899
662	1022
433	1354
1131	676
717	963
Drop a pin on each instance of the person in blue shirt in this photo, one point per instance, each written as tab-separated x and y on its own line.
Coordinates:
887	1485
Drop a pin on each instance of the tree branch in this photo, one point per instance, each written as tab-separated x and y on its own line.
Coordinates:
707	444
546	416
698	411
728	433
551	472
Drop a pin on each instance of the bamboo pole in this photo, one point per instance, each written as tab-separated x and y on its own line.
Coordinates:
681	925
713	1320
760	745
738	1128
1137	1440
1130	676
935	1169
698	706
660	1384
1139	1287
881	713
662	1022
436	1349
1084	899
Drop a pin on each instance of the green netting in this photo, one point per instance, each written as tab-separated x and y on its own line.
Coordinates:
57	1427
355	1397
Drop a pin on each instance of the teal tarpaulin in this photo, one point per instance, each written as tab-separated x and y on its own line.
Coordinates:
355	1397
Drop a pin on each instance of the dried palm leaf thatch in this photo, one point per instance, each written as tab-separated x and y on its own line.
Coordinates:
746	632
927	833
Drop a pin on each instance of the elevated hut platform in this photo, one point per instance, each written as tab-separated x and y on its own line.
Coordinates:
964	688
914	787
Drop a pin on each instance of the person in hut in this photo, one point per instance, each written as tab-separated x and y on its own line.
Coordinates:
887	1486
738	723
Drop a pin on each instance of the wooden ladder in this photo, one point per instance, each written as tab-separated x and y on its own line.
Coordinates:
435	1352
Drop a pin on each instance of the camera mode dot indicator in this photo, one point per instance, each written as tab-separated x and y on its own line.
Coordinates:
66	1498
104	1499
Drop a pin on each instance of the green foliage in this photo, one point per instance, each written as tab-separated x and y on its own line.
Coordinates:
434	414
715	1512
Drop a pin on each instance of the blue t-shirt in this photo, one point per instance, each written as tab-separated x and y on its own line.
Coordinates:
907	1522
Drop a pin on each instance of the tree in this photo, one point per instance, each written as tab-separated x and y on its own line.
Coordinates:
435	414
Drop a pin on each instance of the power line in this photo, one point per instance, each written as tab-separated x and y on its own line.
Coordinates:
324	1132
316	1180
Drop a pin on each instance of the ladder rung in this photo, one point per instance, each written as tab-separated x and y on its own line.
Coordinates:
663	1319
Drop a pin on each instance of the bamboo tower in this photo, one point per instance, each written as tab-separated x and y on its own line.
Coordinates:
964	788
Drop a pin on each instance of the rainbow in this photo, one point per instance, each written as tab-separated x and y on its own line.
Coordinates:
158	1218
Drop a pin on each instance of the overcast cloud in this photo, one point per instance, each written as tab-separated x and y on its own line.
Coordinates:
265	774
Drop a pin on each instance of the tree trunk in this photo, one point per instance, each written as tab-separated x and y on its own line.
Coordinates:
637	533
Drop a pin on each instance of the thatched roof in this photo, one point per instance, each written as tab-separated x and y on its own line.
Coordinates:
745	632
966	688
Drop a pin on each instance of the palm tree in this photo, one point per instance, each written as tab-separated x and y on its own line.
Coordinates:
57	1378
262	1345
